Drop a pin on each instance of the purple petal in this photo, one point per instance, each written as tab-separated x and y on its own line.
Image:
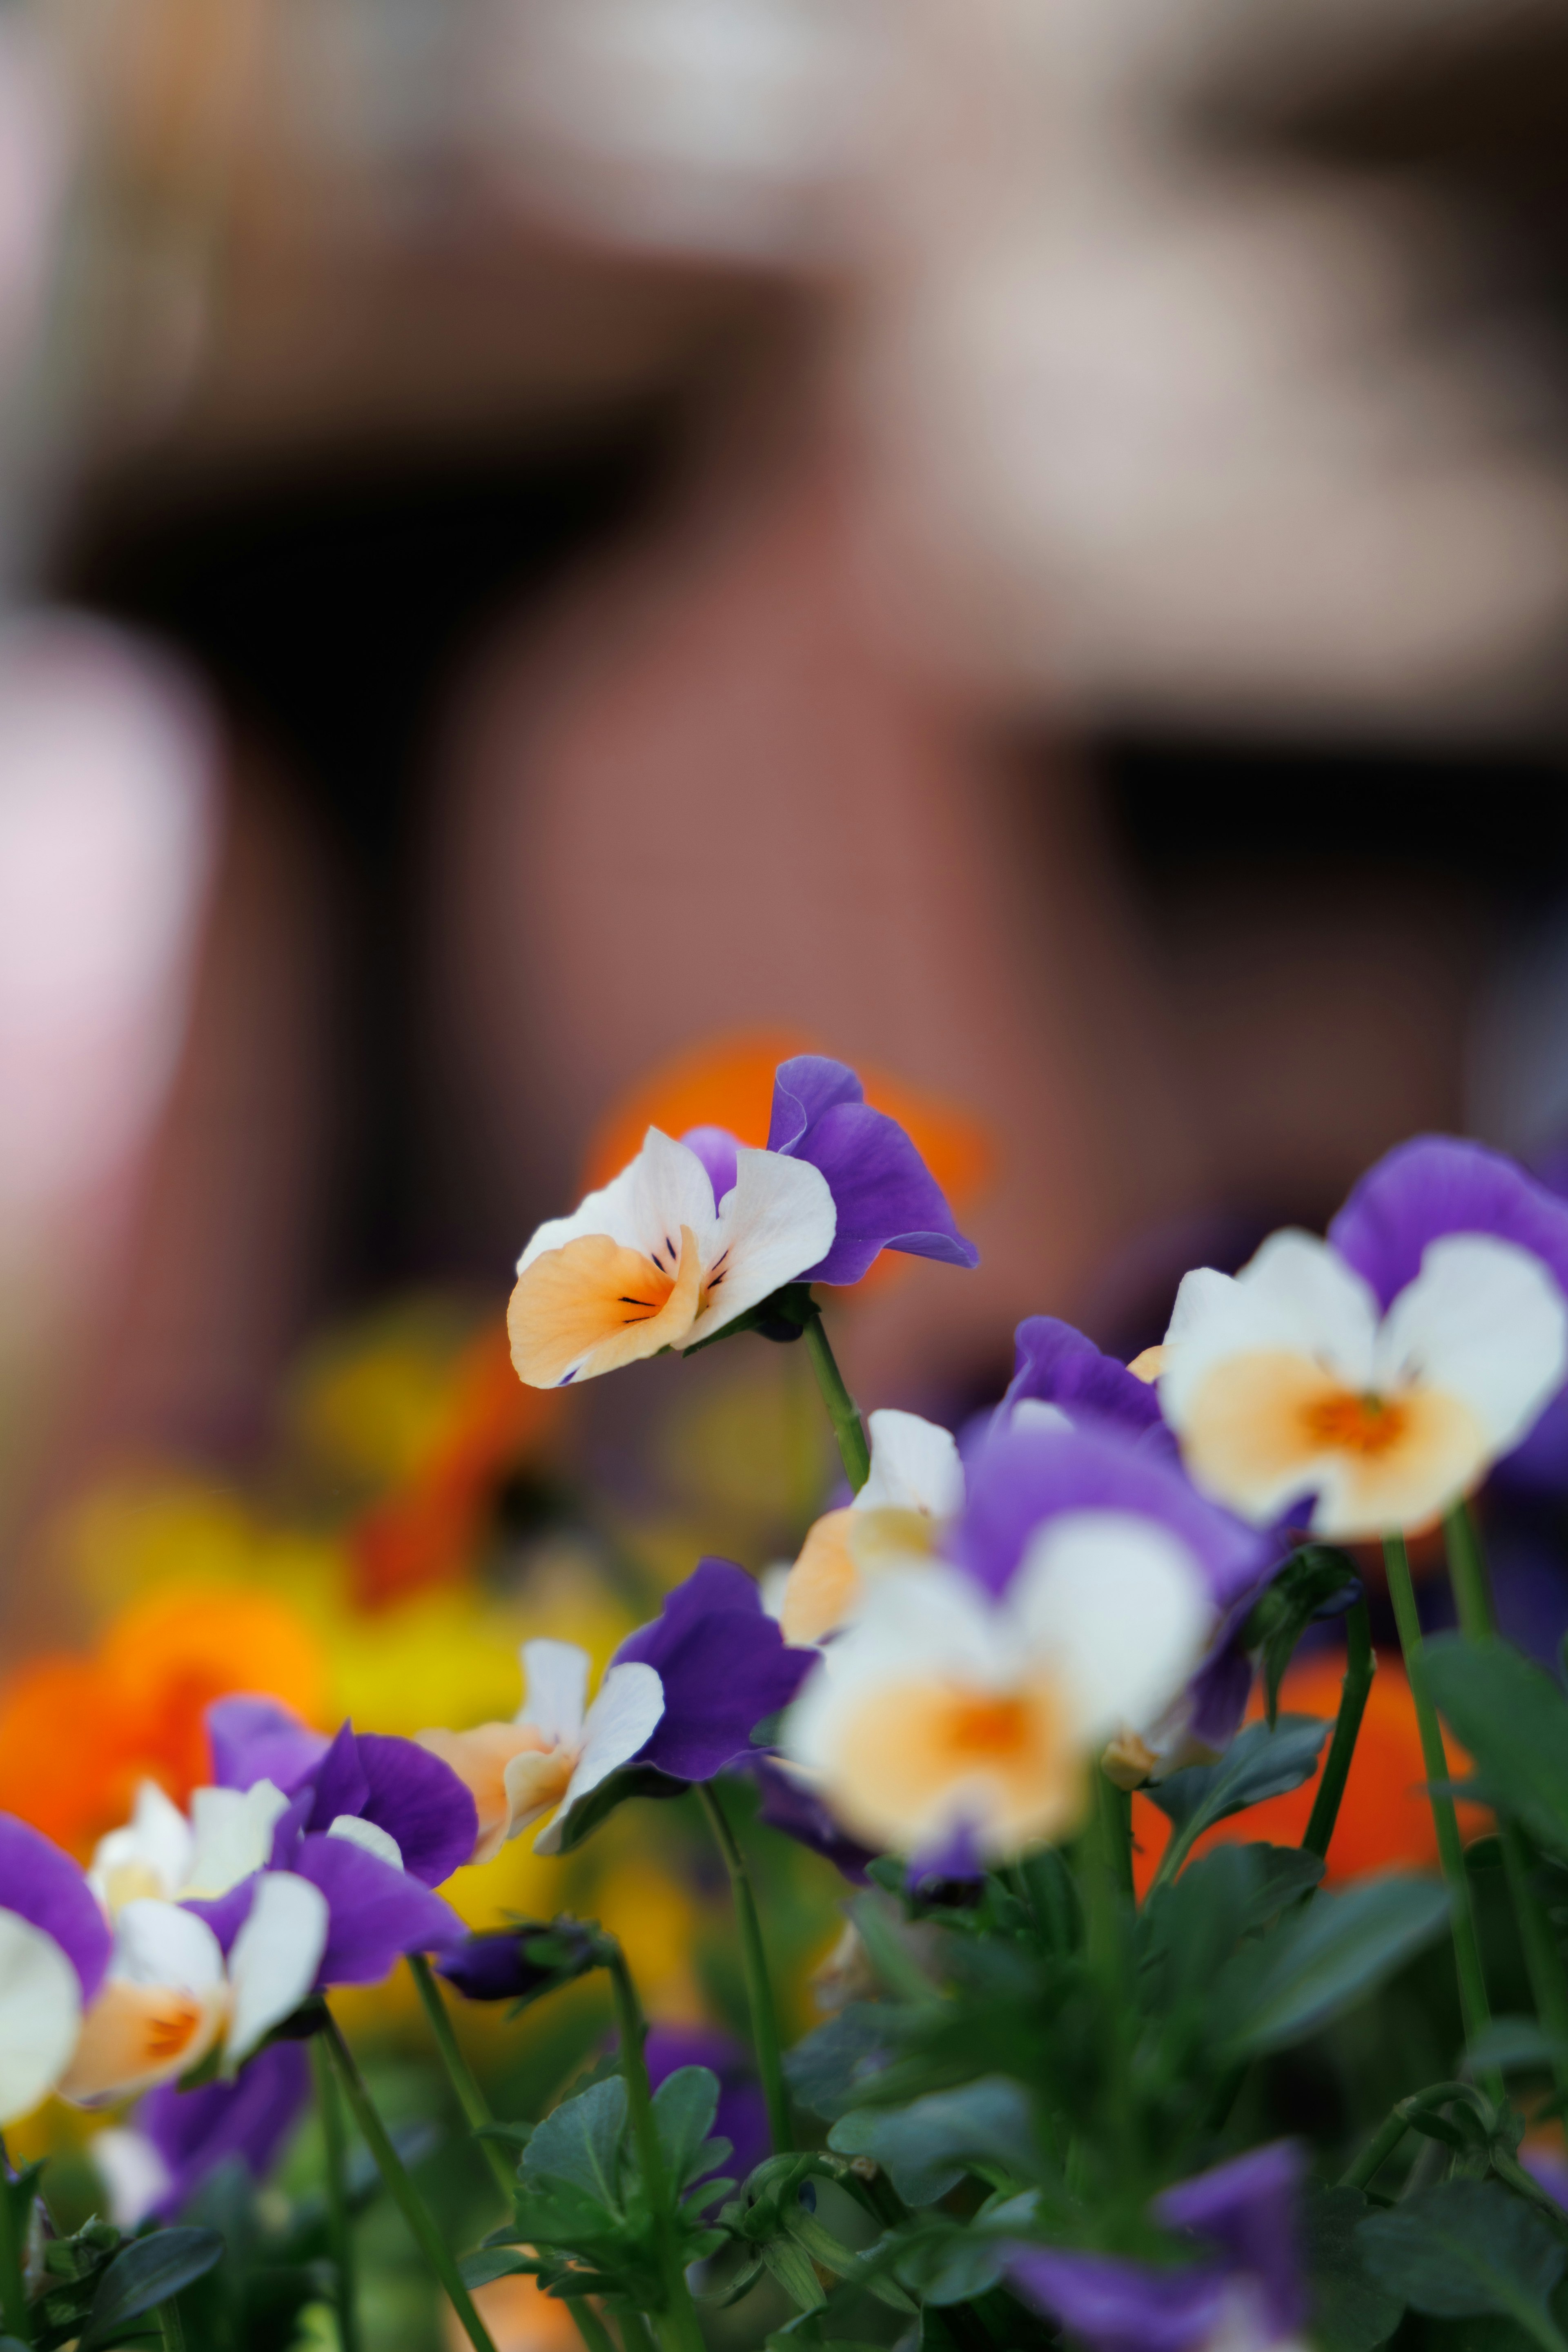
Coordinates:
1248	2208
787	1804
421	1803
256	1740
378	1912
719	1151
290	1827
252	2117
45	1887
225	1914
1054	1364
1119	2306
805	1087
742	2114
955	1861
341	1781
1026	1477
886	1196
724	1666
1438	1184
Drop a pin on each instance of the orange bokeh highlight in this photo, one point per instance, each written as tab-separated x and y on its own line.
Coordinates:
1384	1818
424	1532
729	1082
78	1734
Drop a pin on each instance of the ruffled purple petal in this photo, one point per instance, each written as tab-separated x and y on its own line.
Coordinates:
1054	1364
719	1151
341	1781
886	1196
1121	2306
45	1887
1248	2208
1438	1184
421	1803
378	1912
257	1739
251	2117
788	1805
743	2115
1026	1477
225	1914
724	1666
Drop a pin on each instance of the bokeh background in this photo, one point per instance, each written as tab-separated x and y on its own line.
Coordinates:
554	551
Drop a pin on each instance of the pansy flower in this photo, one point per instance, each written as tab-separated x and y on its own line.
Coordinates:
1381	1371
693	1233
1243	2291
54	1950
155	2163
957	1716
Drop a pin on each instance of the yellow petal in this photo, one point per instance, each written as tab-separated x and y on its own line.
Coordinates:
135	2035
823	1584
1149	1366
596	1305
479	1759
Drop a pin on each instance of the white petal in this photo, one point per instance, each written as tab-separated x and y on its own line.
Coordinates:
643	1208
40	2015
1118	1609
370	1835
555	1690
154	1847
1296	1297
233	1835
622	1717
914	1624
1034	1412
160	1944
1483	1320
132	2171
915	1466
778	1220
275	1957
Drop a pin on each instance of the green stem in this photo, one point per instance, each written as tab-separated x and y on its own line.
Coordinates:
854	1450
13	2259
1360	1664
1542	1958
589	2325
1473	2003
412	2205
340	2221
171	2326
754	1963
1377	2151
1102	1850
680	2331
460	2075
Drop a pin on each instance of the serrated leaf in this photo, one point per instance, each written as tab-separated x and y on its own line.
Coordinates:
144	2274
1350	2311
579	2143
1316	1581
1319	1962
1258	1764
792	2266
590	1812
1464	2249
1513	1719
925	2146
684	2106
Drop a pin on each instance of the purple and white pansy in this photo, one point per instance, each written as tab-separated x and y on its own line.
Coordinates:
54	1950
695	1232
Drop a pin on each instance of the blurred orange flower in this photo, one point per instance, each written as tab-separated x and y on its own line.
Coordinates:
425	1530
520	2317
729	1082
1384	1818
78	1733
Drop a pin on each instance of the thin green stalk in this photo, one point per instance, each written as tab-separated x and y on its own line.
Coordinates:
854	1450
340	2221
1360	1664
460	2075
1473	2002
589	2325
1377	2151
678	2331
1542	1958
1101	1854
171	2327
12	2260
412	2205
754	1963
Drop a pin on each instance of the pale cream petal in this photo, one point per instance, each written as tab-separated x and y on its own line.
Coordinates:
40	2015
151	1856
275	1957
479	1759
595	1305
136	2034
1296	1297
535	1784
915	1466
369	1836
1117	1609
233	1835
643	1208
1148	1366
621	1720
824	1585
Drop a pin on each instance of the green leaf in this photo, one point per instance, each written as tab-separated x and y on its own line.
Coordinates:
489	2263
631	1780
1465	2249
1510	2045
925	2146
1351	2312
792	2266
1513	1719
1274	1992
1285	1872
144	2274
826	2068
579	2143
1260	1762
684	2106
1316	1581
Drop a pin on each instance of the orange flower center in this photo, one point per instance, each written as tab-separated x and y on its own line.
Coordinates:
170	2032
987	1726
1352	1423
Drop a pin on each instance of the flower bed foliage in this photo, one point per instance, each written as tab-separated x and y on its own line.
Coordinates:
1167	2015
